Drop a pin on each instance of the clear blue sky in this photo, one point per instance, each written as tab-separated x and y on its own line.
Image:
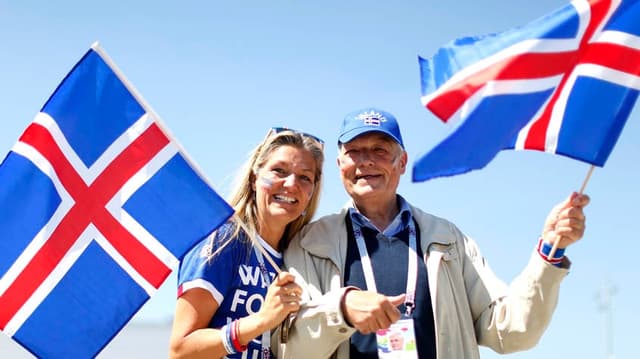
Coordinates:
220	73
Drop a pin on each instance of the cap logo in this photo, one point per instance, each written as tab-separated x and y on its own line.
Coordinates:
371	118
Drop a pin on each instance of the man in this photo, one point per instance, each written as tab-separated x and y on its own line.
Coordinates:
396	341
380	258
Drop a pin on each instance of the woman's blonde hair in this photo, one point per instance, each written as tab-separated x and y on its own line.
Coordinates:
243	198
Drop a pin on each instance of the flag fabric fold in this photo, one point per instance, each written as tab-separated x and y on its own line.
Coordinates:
98	204
564	84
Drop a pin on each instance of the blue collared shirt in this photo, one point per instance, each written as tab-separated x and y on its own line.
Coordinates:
400	221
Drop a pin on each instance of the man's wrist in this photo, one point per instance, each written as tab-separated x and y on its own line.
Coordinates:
343	303
544	249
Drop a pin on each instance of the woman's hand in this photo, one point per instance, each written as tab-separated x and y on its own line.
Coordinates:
283	297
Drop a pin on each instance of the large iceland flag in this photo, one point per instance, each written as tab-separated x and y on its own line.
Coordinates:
98	203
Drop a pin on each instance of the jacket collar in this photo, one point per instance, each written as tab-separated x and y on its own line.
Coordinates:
327	237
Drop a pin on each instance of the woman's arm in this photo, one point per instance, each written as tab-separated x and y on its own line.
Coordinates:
191	337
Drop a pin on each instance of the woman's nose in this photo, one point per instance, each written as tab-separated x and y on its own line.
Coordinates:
290	180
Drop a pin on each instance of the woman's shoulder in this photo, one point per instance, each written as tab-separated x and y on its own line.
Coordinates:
224	241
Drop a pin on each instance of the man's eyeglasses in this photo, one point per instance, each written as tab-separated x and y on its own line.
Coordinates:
282	129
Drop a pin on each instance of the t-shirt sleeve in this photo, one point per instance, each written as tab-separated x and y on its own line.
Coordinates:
213	273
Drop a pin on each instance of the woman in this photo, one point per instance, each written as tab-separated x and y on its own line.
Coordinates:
229	296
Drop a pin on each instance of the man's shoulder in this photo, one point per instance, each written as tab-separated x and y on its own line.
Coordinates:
321	237
327	225
434	228
423	216
327	221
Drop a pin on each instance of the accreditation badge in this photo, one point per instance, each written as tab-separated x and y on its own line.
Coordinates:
397	342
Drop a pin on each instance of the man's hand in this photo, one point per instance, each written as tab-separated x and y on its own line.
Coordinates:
566	221
370	311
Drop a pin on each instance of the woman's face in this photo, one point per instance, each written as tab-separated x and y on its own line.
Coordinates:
284	185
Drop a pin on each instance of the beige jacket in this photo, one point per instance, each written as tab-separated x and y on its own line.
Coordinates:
471	305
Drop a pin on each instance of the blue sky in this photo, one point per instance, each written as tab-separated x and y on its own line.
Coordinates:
221	73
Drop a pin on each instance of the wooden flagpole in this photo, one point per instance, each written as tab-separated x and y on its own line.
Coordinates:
584	185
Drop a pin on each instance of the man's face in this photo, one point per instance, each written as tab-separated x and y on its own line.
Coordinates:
371	166
396	341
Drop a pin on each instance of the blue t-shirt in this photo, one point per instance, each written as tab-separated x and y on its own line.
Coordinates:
232	276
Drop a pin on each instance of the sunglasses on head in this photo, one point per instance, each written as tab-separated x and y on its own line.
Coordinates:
282	129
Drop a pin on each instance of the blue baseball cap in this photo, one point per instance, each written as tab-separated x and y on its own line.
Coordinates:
368	120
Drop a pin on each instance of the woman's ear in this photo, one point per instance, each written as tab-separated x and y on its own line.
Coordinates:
252	179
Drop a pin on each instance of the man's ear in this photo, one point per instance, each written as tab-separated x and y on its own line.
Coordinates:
404	158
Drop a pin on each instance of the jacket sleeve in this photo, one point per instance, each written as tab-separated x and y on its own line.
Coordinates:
513	318
319	327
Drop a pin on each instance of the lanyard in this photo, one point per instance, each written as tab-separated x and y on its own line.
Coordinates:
412	272
266	336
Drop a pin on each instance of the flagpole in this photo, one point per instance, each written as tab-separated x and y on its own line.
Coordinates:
156	118
584	185
284	326
257	244
148	109
136	94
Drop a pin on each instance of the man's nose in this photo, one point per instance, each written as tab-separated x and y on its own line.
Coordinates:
365	156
